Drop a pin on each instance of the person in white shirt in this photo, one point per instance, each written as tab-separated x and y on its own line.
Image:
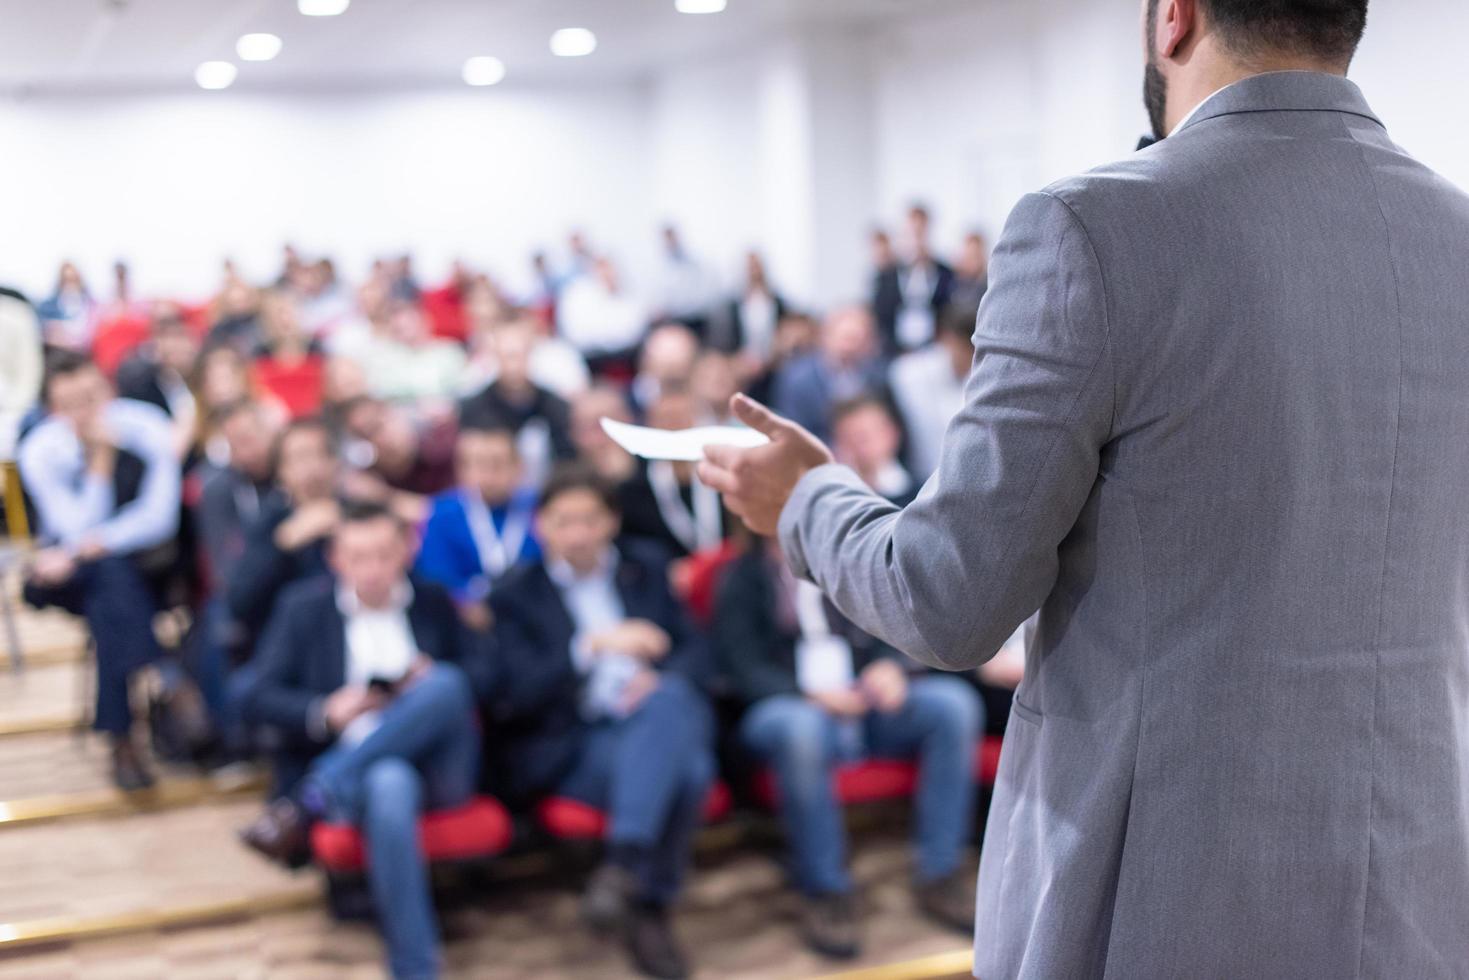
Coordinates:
370	679
928	386
599	316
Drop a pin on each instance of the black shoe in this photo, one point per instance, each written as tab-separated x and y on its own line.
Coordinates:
948	901
129	773
607	903
282	833
652	945
829	926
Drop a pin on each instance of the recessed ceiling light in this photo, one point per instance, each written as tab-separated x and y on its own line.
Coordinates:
573	42
699	6
258	47
215	75
483	69
322	8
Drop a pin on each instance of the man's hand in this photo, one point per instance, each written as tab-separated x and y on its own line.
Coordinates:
756	483
345	704
90	548
637	689
634	637
885	685
846	702
52	566
310	522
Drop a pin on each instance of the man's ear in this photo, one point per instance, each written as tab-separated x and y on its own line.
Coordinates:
1177	21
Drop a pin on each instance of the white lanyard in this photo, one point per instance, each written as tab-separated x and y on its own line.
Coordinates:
696	529
498	548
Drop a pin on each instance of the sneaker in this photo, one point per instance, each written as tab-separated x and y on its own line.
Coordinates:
948	901
282	833
829	926
129	773
653	947
607	903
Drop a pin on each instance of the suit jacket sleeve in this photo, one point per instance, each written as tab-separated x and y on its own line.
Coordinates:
278	696
255	580
535	674
748	645
949	578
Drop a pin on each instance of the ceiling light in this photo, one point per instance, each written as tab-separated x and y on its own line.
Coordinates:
483	69
699	6
258	47
573	42
215	75
322	8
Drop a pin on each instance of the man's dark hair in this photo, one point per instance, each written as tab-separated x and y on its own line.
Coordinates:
500	428
861	403
1328	29
571	477
310	424
223	413
60	363
958	320
366	511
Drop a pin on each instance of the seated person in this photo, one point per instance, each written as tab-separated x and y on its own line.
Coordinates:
361	674
665	502
397	458
600	703
594	446
287	541
104	478
541	421
819	693
482	528
846	364
288	364
158	374
866	437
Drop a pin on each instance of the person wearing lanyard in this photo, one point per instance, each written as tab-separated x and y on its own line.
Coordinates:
818	692
483	526
666	503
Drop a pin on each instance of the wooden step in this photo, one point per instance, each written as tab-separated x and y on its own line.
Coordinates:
43	699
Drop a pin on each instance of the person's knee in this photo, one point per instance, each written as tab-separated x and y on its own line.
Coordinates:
448	684
796	736
680	703
948	704
392	788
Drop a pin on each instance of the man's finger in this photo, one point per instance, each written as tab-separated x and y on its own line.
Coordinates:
756	415
713	475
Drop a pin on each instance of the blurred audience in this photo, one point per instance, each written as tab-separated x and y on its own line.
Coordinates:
866	437
908	295
846	364
928	386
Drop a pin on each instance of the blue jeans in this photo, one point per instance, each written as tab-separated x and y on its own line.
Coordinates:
939	723
424	755
651	772
118	605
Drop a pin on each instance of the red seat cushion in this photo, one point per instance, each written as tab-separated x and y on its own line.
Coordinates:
872	780
704	570
479	828
568	819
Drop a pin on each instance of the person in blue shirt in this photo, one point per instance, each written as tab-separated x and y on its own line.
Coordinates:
484	526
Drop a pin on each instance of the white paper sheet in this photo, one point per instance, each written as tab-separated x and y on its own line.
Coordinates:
683	444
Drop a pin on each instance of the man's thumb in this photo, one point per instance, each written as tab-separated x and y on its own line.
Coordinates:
756	415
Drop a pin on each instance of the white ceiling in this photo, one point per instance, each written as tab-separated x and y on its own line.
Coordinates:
123	45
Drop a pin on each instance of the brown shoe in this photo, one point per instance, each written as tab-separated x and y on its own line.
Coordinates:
282	833
652	945
829	926
948	901
129	773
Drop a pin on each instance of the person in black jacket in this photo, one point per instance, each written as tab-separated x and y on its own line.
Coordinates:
370	680
287	541
600	702
818	692
907	297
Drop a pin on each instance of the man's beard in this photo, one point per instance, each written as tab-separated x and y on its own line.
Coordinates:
1155	97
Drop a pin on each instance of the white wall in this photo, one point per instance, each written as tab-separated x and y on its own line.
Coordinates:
176	183
795	147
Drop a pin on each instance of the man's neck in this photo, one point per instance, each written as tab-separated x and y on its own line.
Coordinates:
1217	71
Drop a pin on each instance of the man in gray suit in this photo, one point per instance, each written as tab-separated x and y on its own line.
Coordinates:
1217	430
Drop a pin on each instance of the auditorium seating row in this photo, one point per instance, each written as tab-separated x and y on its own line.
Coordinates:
484	828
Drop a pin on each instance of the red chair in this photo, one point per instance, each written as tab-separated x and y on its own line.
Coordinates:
116	338
481	828
701	579
572	820
872	780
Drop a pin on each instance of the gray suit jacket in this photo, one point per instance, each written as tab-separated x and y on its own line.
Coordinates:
1218	431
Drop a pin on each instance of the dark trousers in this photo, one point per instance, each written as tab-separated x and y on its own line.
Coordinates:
115	599
651	772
